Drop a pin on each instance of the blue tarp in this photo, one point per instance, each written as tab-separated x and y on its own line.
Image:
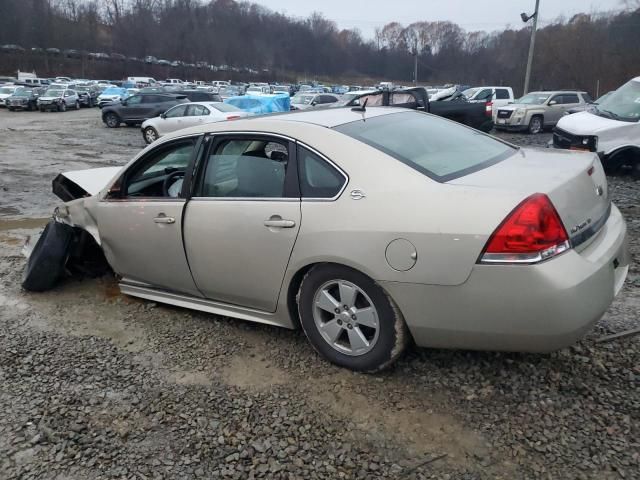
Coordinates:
258	104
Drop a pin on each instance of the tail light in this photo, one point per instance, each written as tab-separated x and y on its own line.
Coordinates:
531	233
233	117
488	109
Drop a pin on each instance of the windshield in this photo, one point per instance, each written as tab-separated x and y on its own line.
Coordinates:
23	93
439	149
302	99
53	93
533	99
470	92
254	89
83	89
112	91
7	90
623	104
225	107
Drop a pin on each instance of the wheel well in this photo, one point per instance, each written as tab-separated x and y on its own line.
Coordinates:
296	281
292	293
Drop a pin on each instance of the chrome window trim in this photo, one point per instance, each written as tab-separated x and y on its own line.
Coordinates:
330	162
245	199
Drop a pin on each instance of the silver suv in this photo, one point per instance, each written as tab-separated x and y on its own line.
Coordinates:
539	110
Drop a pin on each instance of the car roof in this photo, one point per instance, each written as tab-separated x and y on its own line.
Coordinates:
551	92
326	118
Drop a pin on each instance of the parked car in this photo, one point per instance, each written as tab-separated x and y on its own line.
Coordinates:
539	110
499	96
229	91
24	99
111	95
304	101
53	51
454	106
6	91
88	95
11	48
287	221
196	95
188	115
136	109
258	90
612	129
590	107
59	99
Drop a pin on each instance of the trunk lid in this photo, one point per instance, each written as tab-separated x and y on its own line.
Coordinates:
575	183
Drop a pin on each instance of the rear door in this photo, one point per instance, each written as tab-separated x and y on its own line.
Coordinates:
555	110
243	219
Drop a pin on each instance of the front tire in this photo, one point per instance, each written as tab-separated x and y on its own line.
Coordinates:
112	120
150	135
62	107
77	107
535	125
349	319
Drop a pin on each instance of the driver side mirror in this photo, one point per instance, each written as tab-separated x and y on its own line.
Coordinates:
163	115
553	102
314	103
124	102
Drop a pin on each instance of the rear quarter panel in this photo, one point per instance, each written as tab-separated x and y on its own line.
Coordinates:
448	225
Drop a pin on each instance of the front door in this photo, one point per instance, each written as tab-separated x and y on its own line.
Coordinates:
140	224
132	108
243	220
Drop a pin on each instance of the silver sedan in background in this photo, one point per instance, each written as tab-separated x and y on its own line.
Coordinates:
367	228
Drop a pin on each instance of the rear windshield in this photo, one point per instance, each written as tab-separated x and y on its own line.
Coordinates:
438	148
225	107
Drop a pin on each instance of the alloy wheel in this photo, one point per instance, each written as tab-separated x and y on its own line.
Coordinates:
346	317
150	135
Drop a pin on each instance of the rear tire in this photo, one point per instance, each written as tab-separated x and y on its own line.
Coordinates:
536	125
150	135
42	109
47	261
11	109
358	326
77	107
112	120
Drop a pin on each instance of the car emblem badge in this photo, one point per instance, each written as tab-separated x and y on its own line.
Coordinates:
357	194
599	191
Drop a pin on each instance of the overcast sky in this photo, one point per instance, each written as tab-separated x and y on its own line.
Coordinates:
489	15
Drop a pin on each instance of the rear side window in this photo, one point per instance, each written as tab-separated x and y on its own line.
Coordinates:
438	148
570	98
502	94
318	179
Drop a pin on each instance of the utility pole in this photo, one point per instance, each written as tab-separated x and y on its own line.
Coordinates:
532	44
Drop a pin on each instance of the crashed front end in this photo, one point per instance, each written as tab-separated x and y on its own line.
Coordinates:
70	244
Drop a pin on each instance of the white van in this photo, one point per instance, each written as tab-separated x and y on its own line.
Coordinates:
142	81
35	82
612	129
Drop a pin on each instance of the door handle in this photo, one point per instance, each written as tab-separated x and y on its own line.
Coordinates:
162	218
277	222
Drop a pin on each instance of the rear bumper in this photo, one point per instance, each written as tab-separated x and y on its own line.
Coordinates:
527	308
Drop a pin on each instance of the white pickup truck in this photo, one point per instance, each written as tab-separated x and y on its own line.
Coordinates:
612	129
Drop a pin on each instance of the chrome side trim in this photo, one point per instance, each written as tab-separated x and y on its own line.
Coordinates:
201	304
246	199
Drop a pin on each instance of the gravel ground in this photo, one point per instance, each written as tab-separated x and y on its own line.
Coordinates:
98	385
